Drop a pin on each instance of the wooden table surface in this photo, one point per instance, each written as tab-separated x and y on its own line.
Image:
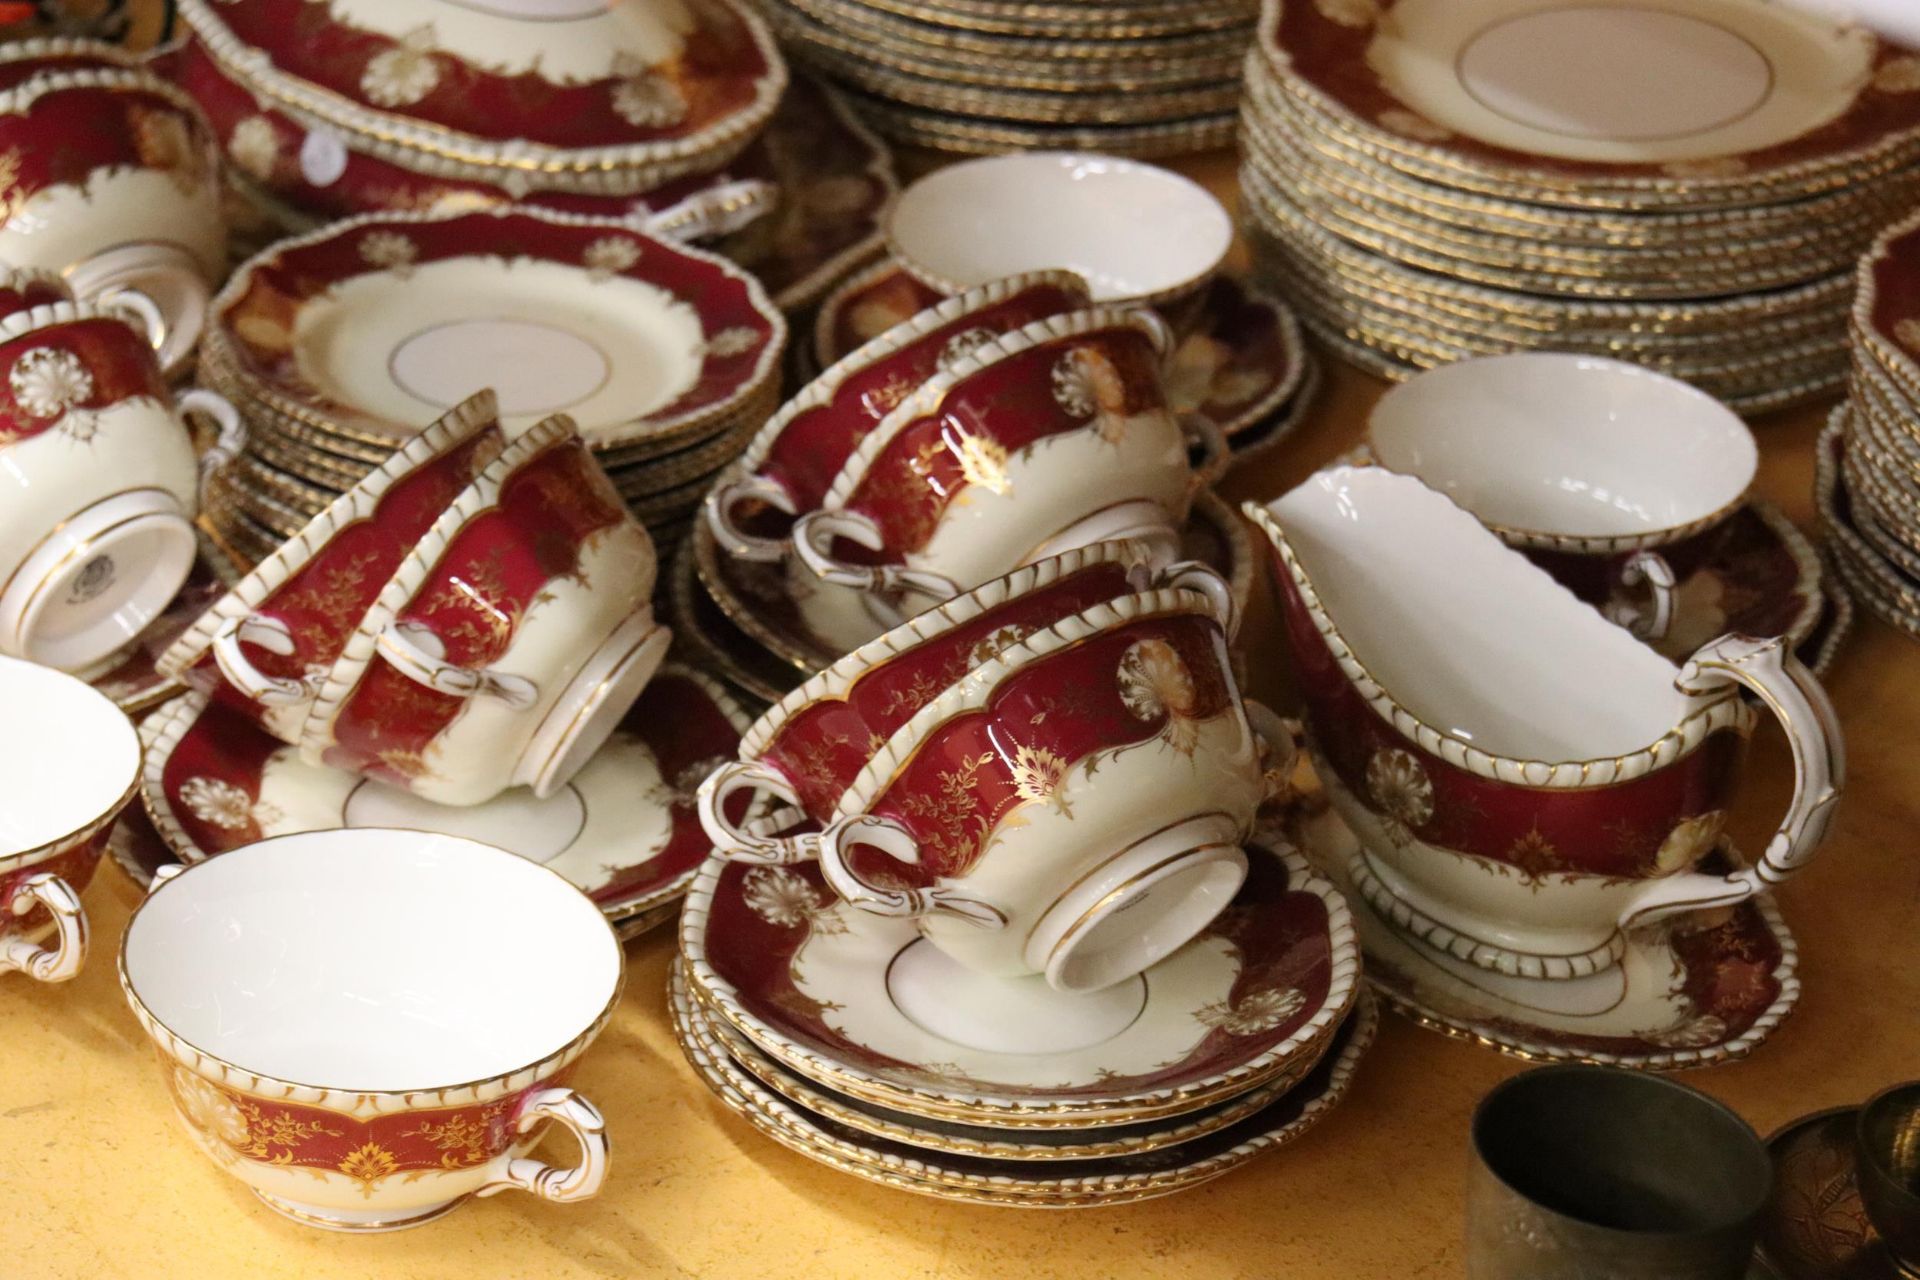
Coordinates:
99	1181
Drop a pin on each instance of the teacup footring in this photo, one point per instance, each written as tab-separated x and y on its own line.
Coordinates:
1020	1015
593	704
370	1222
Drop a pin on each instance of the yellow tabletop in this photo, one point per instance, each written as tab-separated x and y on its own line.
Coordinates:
99	1181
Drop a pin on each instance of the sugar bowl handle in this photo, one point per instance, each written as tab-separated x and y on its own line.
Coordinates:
813	536
414	662
61	961
747	843
736	541
1650	571
553	1182
1790	691
894	840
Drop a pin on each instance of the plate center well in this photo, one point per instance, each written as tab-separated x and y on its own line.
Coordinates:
1006	1015
536	368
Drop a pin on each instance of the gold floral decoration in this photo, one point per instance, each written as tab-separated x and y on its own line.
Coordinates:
609	256
1535	857
1257	1011
952	826
963	344
1899	74
462	1140
367	1164
781	896
644	97
1154	682
48	381
390	251
218	803
254	147
997	642
736	341
1695	1033
982	462
1400	789
1038	774
1086	382
164	141
208	1109
403	74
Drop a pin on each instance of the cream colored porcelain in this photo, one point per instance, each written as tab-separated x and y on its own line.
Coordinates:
1137	233
1661	82
99	482
1493	720
68	766
340	1034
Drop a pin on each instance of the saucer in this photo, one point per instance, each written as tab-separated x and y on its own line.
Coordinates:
129	676
1680	996
810	982
758	599
982	1180
1815	1227
1761	577
625	831
704	633
1243	363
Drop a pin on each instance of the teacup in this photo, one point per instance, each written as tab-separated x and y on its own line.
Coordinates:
265	646
1051	437
808	747
65	774
1887	1158
369	1087
510	642
793	459
100	482
1588	464
1140	235
118	188
1525	778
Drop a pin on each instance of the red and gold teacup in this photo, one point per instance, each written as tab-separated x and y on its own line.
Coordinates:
100	482
369	1087
1051	437
265	647
1526	779
510	642
791	463
61	785
808	748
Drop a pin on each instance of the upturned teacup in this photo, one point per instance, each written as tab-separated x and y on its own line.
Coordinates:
100	482
1051	437
1598	469
369	1087
118	186
1140	235
1525	778
61	786
808	747
509	643
792	461
265	647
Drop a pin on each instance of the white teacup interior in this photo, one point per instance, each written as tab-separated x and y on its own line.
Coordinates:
1465	632
1130	229
1566	444
68	758
372	960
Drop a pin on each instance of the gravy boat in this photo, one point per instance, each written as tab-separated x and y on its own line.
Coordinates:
1526	779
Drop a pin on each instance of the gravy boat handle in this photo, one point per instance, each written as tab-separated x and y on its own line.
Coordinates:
1795	697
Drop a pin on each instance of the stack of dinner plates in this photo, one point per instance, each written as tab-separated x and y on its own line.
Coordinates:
1869	460
335	345
786	1002
1135	77
1682	183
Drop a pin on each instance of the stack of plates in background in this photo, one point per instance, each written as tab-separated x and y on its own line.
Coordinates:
1132	77
1684	183
1869	460
337	346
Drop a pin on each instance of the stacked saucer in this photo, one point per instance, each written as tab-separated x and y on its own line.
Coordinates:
1869	458
1434	180
1135	77
337	344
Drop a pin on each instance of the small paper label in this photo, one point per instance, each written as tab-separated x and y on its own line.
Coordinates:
323	158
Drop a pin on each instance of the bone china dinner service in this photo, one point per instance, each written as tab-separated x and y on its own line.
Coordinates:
507	585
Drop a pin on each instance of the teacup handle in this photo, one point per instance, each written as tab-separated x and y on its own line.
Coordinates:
1279	739
232	438
270	634
734	540
1203	579
741	845
61	961
1647	569
813	536
1207	443
894	840
126	298
1791	692
719	210
559	1184
436	673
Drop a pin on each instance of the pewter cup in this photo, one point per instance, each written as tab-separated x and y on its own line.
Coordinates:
1887	1144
